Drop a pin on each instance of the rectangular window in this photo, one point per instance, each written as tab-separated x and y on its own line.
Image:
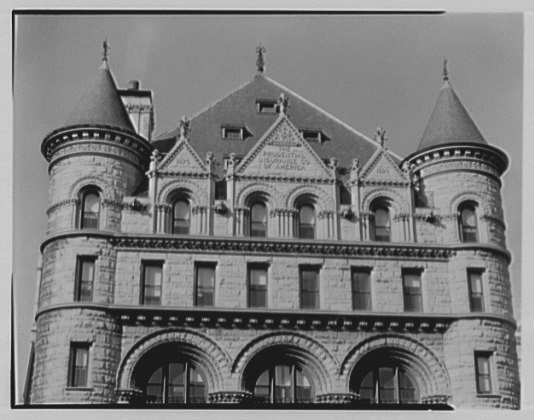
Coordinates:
476	296
309	287
233	133
483	372
151	283
78	365
411	285
361	288
257	286
205	285
312	135
85	276
266	107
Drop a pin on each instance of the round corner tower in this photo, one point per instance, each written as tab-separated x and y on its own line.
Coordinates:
95	160
458	179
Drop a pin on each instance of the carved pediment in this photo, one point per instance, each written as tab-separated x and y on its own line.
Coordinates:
382	168
282	152
182	158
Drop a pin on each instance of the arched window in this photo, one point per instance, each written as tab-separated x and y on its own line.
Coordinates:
306	222
181	216
167	375
283	383
175	382
258	219
468	222
387	385
380	223
90	209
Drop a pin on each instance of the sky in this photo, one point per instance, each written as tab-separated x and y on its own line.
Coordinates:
369	71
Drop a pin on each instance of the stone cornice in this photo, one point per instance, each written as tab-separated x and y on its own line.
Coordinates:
274	318
296	179
483	152
184	174
383	183
311	248
102	134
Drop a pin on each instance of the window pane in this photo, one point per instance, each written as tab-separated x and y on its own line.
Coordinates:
152	284
282	384
361	289
307	222
468	217
79	363
258	276
91	202
206	277
309	280
412	292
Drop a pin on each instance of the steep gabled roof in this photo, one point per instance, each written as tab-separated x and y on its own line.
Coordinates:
101	104
450	122
239	108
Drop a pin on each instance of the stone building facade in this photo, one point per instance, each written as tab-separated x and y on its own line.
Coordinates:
266	252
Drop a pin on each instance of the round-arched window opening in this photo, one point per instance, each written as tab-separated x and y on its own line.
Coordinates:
90	214
283	384
306	222
468	222
258	220
181	220
386	384
167	376
381	223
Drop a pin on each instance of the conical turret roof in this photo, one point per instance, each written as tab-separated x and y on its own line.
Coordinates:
450	122
101	104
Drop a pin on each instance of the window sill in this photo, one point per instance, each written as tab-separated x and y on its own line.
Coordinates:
78	389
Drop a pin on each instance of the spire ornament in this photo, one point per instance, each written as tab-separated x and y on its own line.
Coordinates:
184	126
105	48
380	137
445	71
260	61
283	104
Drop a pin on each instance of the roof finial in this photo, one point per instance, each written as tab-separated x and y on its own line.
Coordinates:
283	104
445	71
185	127
105	48
260	61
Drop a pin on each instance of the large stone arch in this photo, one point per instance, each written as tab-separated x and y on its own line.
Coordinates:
201	349
426	368
90	181
198	195
319	195
320	363
463	197
271	194
398	203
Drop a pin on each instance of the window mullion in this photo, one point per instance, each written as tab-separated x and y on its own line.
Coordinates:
187	381
293	383
397	384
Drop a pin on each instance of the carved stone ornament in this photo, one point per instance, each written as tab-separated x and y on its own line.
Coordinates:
230	397
347	213
380	137
220	207
283	104
184	126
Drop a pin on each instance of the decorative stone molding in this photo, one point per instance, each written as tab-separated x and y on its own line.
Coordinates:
69	202
230	397
220	207
292	179
337	398
184	174
199	210
300	247
135	205
128	139
283	212
401	217
241	211
324	214
435	399
163	206
384	183
347	213
492	218
129	396
112	203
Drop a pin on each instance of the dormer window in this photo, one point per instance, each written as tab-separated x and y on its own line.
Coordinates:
234	132
316	136
266	107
